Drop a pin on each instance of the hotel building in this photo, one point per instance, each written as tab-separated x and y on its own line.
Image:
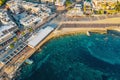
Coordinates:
60	2
30	20
7	29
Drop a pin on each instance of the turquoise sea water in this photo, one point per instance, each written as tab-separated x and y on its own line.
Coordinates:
76	57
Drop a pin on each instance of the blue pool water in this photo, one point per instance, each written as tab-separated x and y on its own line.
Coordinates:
76	57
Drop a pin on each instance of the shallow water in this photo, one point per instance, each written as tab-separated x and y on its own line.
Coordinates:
76	57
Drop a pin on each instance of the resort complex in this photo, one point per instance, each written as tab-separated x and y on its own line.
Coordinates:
26	25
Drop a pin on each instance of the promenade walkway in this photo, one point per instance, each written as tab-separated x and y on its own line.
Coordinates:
88	25
91	24
65	18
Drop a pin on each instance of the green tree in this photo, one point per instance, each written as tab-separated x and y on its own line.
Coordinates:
2	2
30	29
23	33
11	46
68	3
15	39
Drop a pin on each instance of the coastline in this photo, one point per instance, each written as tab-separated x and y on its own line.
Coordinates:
11	68
72	31
57	33
65	33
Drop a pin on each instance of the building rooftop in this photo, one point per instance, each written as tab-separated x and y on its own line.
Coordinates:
3	28
37	38
5	37
30	20
60	2
76	11
6	57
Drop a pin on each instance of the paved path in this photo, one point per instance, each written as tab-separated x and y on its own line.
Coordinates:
89	25
65	18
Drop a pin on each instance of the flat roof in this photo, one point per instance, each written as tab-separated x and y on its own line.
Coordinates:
36	39
6	37
2	28
6	57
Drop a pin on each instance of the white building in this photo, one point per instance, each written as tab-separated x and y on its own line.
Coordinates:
60	2
6	35
43	15
34	40
46	9
14	6
76	11
34	7
8	27
30	20
88	8
4	38
41	12
4	18
15	9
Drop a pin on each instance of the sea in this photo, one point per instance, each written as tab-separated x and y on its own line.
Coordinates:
75	57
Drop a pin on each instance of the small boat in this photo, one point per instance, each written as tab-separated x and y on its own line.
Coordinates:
28	61
88	33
